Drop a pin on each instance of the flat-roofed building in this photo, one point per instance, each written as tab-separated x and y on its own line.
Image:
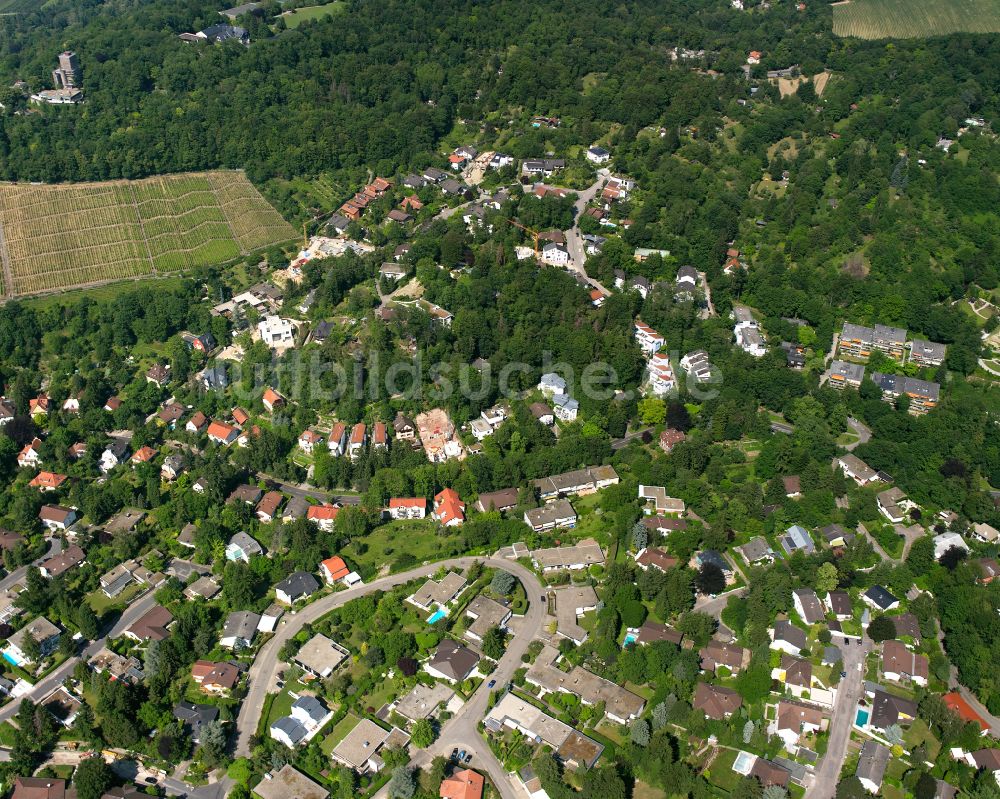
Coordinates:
319	656
288	782
571	603
485	614
423	701
359	748
578	556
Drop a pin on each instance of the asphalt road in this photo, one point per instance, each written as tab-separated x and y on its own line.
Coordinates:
461	730
860	430
574	238
49	683
304	491
849	693
16	576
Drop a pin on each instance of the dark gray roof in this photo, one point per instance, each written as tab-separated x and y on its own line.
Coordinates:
298	585
292	728
784	630
880	597
454	659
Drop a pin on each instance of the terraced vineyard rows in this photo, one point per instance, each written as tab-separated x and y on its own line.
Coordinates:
903	19
64	236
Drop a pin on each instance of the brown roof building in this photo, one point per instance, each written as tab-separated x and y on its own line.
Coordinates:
716	701
152	626
717	653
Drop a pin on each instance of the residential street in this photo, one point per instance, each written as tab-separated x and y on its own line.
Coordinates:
574	238
16	576
53	680
849	693
460	730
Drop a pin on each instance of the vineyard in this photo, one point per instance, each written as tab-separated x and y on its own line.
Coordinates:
908	19
56	237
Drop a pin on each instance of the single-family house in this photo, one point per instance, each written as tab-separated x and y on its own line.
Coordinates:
716	701
297	586
452	662
239	630
786	637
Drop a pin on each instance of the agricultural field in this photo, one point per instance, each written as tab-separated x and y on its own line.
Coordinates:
65	236
909	19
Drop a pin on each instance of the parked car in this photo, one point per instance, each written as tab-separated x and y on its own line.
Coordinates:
468	758
491	683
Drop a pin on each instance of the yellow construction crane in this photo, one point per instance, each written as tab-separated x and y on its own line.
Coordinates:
533	233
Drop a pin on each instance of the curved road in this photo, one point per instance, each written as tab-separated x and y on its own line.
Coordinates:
462	729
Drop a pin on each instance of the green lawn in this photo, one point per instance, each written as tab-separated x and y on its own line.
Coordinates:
418	539
643	791
7	734
721	773
919	733
339	732
297	16
282	704
100	603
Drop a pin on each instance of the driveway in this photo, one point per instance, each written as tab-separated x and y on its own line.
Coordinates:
849	693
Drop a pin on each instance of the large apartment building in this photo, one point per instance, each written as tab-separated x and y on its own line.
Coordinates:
923	394
859	342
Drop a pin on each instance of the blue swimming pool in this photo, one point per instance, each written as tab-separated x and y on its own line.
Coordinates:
436	616
630	638
861	719
13	661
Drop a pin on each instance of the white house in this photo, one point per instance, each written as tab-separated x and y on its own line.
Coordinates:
551	384
276	332
945	541
555	254
307	717
566	408
407	508
661	374
31	454
649	340
598	155
115	453
309	439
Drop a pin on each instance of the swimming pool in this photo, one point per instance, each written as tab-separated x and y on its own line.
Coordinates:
10	659
861	720
436	616
630	638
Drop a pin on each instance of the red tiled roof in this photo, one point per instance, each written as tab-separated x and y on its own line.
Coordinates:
48	480
335	567
408	502
322	512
